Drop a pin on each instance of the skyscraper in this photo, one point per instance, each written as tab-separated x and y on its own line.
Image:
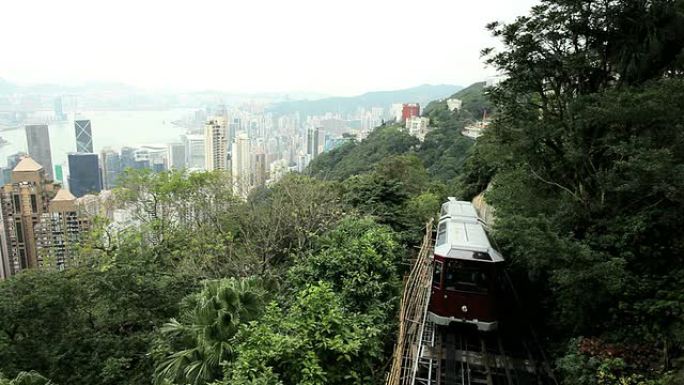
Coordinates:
241	164
215	145
233	129
38	140
176	156
38	220
259	169
312	142
84	136
84	174
110	164
59	110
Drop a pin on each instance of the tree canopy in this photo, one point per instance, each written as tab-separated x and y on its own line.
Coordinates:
585	161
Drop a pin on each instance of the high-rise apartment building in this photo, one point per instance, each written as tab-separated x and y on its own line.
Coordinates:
215	145
241	164
84	136
39	227
176	156
38	140
84	174
60	230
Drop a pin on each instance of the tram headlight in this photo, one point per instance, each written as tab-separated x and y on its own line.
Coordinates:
464	308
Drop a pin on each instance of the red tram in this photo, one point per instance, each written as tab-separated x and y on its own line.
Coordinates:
465	285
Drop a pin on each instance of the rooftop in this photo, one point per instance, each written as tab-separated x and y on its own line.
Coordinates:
464	239
63	195
463	209
27	164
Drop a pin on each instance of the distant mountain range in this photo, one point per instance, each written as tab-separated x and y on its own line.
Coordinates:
121	95
7	87
422	94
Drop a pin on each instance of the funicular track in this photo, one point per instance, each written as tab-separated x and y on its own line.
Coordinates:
412	315
430	354
464	356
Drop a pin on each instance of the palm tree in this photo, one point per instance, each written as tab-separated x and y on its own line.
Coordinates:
204	336
26	378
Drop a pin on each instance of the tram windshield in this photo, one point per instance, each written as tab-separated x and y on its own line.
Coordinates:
461	277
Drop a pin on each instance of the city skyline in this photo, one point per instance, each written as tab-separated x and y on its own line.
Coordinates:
353	45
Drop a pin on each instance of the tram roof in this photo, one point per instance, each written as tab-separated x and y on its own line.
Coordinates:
462	209
464	239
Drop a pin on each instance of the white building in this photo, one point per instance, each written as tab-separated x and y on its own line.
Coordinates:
215	145
475	130
417	126
454	104
241	164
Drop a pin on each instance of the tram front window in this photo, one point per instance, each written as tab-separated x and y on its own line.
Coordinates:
460	277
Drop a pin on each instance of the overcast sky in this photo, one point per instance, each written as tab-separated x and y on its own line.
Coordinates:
337	47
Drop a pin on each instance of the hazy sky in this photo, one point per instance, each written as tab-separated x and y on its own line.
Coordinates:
336	47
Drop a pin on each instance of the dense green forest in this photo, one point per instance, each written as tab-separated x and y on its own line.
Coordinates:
585	160
293	286
299	284
584	164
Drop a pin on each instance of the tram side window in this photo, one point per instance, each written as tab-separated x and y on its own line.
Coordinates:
441	234
459	277
437	275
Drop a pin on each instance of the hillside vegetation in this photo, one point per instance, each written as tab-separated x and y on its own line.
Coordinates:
299	284
585	162
207	289
442	153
